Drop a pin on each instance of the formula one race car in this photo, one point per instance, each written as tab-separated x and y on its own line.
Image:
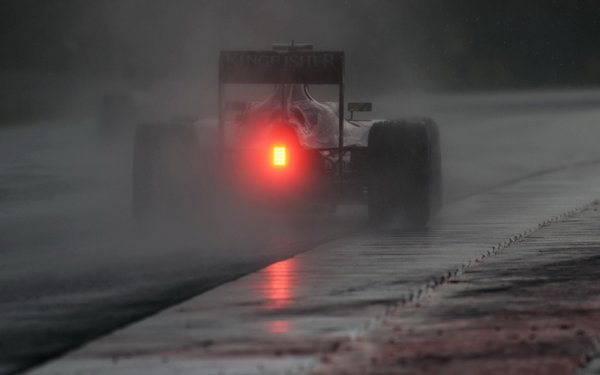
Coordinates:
288	151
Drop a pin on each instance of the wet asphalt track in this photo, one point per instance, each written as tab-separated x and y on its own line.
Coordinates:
533	308
72	269
296	314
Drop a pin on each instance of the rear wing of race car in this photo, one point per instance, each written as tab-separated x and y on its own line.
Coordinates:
285	64
323	67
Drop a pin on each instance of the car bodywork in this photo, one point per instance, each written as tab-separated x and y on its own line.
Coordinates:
333	149
288	149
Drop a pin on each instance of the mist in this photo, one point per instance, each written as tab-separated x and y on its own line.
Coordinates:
503	80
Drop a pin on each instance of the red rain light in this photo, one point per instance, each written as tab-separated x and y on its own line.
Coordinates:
279	156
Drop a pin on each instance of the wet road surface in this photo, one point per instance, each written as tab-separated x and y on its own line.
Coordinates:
73	268
532	309
296	314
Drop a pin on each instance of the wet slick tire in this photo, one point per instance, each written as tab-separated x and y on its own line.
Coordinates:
404	174
166	171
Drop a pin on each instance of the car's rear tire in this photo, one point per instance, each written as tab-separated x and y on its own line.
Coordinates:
166	169
404	172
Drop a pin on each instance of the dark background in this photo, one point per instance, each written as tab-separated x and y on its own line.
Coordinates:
441	44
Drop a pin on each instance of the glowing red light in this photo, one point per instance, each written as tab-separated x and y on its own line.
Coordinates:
279	156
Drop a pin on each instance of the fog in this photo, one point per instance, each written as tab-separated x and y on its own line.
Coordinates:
511	94
57	52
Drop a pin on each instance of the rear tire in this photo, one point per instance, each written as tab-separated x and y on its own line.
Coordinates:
404	172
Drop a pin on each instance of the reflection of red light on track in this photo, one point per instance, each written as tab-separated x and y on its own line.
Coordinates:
279	283
278	288
279	326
